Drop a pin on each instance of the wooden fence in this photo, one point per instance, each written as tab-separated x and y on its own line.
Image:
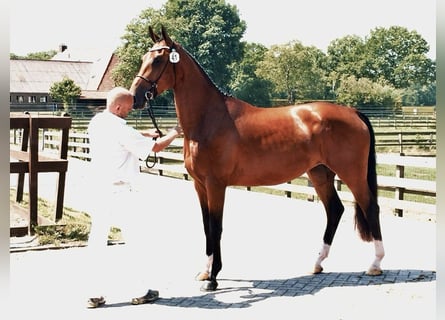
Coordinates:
26	159
170	162
402	141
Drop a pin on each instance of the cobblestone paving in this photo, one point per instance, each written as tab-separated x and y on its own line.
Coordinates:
258	290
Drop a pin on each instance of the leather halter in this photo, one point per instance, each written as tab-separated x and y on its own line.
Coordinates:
152	92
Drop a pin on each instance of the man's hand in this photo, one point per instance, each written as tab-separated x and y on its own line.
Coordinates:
151	133
178	129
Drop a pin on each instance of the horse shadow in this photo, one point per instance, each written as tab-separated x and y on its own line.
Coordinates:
245	293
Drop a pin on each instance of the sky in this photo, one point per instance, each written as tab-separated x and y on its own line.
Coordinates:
94	27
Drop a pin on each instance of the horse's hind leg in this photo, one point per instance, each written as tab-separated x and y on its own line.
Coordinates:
368	224
367	219
322	179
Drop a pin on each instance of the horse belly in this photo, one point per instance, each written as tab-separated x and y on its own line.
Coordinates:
276	158
269	170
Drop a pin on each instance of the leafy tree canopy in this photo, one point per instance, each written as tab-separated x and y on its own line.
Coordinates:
42	55
365	93
398	56
211	30
65	91
295	70
246	84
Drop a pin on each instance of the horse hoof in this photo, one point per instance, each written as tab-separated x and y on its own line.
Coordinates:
209	285
202	276
374	271
318	269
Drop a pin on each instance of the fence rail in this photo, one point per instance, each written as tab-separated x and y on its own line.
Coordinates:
426	139
395	140
170	162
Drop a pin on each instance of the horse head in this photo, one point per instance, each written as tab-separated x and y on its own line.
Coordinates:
156	73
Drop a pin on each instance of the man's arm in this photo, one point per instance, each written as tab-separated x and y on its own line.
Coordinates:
163	142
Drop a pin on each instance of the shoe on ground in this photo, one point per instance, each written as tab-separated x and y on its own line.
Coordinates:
150	296
95	302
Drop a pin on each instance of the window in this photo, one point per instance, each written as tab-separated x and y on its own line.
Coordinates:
32	99
20	99
43	99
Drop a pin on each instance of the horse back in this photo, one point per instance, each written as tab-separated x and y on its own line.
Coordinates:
299	123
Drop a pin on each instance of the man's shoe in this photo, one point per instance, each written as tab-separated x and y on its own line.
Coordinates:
95	302
150	296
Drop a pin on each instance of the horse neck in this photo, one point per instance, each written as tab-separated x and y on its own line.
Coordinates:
196	96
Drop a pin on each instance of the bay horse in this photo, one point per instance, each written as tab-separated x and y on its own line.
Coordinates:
229	142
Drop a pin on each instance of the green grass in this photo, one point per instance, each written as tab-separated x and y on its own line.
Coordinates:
73	228
410	172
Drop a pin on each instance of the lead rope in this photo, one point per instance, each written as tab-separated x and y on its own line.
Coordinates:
150	95
153	120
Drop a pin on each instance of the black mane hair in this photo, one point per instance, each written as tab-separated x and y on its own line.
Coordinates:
204	73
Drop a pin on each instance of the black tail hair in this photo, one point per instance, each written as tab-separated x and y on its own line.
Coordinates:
361	221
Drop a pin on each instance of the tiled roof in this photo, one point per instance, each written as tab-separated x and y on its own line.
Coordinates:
37	76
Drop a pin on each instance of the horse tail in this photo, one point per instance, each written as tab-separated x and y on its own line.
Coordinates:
372	163
362	220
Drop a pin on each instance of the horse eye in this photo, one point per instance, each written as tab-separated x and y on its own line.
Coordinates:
157	60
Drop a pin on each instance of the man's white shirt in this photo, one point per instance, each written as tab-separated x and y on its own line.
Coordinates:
116	149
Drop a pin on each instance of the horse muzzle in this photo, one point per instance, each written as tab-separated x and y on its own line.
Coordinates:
142	95
136	104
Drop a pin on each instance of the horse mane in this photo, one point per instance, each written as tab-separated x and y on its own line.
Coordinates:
203	72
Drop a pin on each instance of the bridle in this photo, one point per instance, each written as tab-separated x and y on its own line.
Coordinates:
173	58
151	93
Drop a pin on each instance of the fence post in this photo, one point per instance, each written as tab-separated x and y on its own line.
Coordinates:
288	193
337	183
399	192
310	197
43	139
33	172
401	144
21	176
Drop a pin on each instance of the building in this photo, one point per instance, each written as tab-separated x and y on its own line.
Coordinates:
30	80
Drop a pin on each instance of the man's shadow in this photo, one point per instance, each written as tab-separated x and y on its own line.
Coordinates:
249	292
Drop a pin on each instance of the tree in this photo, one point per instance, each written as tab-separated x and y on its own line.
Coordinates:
41	55
65	91
297	72
209	29
345	57
399	57
364	92
393	56
135	44
420	95
246	84
312	77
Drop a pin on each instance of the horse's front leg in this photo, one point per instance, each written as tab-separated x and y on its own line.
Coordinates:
213	230
205	274
202	195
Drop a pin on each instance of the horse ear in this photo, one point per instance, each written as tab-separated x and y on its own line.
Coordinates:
153	35
166	37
